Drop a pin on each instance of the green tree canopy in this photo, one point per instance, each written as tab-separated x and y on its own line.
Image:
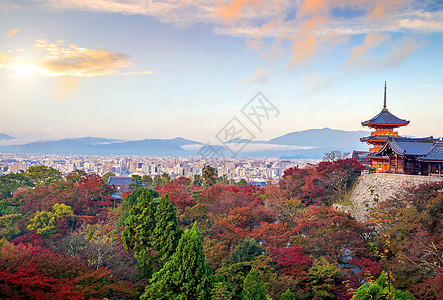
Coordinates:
166	232
381	290
9	183
185	275
246	251
288	295
198	180
210	175
324	276
140	225
136	182
147	179
76	175
253	288
45	221
129	201
242	182
43	175
106	176
221	291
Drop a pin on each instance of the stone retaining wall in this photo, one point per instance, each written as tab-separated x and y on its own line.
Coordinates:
382	184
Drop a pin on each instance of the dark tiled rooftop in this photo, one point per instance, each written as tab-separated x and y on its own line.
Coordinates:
410	146
436	153
119	181
381	138
385	118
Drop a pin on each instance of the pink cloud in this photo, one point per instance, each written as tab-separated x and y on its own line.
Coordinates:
12	32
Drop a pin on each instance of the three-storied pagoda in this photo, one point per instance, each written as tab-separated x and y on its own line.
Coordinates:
384	124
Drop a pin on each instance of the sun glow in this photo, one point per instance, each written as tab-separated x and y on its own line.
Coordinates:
25	70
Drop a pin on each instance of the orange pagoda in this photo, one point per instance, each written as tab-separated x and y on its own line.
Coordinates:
384	124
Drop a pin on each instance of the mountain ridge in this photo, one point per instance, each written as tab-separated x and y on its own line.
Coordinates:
320	141
4	136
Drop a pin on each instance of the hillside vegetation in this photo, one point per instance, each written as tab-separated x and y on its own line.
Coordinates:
65	237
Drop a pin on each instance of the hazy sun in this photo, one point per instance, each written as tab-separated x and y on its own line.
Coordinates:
25	70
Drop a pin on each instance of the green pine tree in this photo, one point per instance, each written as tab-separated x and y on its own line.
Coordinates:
166	233
185	275
130	201
246	251
140	225
253	288
221	291
288	295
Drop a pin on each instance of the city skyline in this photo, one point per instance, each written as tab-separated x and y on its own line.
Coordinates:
250	169
142	69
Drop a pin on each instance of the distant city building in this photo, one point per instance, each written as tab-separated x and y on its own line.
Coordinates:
267	169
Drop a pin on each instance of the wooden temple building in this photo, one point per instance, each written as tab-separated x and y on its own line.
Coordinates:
391	153
413	156
384	124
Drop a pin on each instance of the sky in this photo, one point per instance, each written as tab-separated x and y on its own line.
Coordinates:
135	69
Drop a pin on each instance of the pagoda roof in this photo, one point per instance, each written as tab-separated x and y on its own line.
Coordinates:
385	117
436	153
376	138
408	146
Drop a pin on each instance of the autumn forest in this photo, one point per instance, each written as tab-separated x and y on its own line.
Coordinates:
67	237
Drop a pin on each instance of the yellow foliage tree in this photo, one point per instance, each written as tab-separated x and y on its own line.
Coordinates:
44	221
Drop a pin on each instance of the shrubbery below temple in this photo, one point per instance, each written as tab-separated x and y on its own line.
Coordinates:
65	237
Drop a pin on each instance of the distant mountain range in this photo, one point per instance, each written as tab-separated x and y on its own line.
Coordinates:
6	137
311	143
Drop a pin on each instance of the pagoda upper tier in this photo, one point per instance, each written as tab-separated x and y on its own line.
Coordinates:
385	119
384	124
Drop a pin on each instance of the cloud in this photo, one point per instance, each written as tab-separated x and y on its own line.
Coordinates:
312	27
137	73
371	41
260	76
231	12
5	60
254	147
68	63
246	17
385	8
400	52
12	32
396	54
313	7
79	61
17	65
56	59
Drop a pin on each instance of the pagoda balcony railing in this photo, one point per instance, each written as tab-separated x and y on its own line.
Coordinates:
384	132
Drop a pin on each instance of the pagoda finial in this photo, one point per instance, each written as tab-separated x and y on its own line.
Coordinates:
384	102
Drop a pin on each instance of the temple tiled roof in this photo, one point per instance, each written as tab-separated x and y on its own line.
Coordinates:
436	153
409	146
381	138
385	118
119	181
